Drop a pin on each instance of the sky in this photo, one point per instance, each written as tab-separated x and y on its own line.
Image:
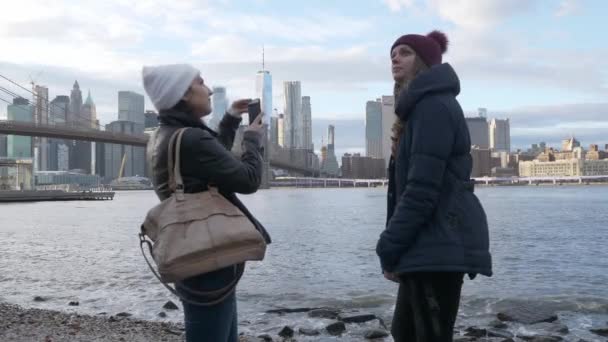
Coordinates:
541	63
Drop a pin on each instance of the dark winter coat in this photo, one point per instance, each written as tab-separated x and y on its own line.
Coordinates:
434	220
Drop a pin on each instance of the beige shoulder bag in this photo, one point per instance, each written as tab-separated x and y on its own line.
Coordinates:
197	233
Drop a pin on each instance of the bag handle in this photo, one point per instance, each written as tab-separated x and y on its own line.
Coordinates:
223	292
170	163
176	182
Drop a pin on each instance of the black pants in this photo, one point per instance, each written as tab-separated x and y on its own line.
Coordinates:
427	305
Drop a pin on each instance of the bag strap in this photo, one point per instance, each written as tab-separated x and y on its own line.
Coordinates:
176	182
170	164
223	293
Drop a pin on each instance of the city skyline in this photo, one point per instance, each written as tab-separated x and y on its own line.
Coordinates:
352	131
542	81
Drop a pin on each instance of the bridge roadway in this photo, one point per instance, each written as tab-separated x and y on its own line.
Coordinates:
88	134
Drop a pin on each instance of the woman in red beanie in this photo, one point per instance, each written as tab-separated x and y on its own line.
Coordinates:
436	229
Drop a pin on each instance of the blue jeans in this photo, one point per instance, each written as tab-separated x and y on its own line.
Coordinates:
217	323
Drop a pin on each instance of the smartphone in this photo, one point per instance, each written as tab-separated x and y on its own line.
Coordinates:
253	109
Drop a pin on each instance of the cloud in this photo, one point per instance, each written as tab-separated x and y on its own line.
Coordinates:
473	14
398	5
479	14
229	48
567	7
320	28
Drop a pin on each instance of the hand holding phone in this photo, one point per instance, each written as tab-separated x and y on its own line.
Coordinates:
253	109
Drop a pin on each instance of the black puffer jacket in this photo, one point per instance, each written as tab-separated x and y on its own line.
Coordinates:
206	159
434	221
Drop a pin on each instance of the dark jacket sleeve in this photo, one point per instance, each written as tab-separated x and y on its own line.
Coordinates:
432	133
227	130
218	166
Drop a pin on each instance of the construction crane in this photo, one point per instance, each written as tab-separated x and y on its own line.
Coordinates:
122	165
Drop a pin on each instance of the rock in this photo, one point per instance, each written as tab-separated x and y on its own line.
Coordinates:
527	314
285	310
286	332
74	303
475	332
162	314
498	324
123	314
358	319
336	329
541	338
309	332
600	332
173	332
381	322
465	339
375	333
265	338
324	313
112	319
39	299
170	306
499	333
551	328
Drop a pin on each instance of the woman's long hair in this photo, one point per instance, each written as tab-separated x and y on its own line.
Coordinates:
400	87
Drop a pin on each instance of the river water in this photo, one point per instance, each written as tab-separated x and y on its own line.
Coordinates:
548	243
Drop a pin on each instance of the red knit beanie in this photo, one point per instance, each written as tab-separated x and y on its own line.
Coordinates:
429	48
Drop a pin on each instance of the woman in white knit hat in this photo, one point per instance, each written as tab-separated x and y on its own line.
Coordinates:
182	99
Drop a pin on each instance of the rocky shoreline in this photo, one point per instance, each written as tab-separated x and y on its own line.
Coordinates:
21	324
521	322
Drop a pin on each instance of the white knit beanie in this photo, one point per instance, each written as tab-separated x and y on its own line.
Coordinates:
167	84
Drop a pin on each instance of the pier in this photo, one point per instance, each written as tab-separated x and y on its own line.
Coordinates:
54	195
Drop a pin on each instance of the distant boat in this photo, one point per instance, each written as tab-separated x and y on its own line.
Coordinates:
131	183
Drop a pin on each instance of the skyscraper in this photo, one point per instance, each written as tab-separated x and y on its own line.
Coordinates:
114	154
306	123
274	130
219	104
281	130
58	148
500	135
89	112
373	129
330	164
479	131
570	144
59	110
388	119
75	105
2	146
80	151
293	114
130	110
263	91
41	116
20	147
131	107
